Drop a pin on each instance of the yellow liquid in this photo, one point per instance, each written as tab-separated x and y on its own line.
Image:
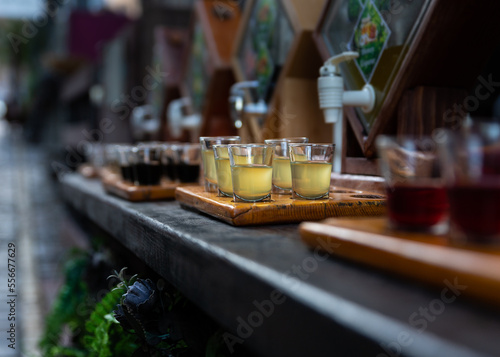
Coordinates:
224	178
282	172
209	166
311	179
252	183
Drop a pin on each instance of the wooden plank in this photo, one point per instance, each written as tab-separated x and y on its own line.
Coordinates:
115	186
425	258
282	208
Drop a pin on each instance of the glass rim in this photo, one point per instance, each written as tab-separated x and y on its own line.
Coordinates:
184	144
250	145
312	144
287	140
202	138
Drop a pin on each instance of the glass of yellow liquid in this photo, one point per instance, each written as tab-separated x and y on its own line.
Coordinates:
282	172
208	159
311	166
223	170
251	171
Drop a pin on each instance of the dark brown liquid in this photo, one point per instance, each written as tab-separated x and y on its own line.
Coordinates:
169	170
188	173
127	173
148	174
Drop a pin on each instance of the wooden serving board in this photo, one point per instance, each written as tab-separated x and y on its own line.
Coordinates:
435	260
282	208
115	186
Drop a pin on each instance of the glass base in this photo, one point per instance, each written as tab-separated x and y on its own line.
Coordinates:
211	187
297	196
237	198
281	191
460	237
223	194
440	228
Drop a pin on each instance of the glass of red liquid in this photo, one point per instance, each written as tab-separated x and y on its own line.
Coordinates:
416	192
471	161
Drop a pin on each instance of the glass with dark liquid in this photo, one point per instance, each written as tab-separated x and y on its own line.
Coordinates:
417	207
168	162
126	161
472	159
187	162
147	168
417	198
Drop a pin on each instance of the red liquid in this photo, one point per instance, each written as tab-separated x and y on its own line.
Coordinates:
417	206
491	160
475	208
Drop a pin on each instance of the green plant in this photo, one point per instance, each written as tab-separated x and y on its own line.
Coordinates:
136	318
105	337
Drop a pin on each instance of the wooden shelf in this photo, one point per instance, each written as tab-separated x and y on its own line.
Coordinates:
331	304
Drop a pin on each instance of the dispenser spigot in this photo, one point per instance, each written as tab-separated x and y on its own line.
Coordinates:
332	98
238	105
177	121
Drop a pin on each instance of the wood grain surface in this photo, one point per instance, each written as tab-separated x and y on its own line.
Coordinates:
115	186
434	260
282	208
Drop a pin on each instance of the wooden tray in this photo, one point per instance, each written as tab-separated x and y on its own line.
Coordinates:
436	260
281	208
115	186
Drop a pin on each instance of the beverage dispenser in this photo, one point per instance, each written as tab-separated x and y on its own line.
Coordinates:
275	63
208	76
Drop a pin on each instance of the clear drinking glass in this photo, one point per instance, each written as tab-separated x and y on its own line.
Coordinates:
471	160
111	158
187	161
207	155
415	186
223	169
252	171
126	161
168	161
311	166
147	168
282	172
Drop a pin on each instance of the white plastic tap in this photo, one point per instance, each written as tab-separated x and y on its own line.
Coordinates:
239	106
333	97
144	121
177	121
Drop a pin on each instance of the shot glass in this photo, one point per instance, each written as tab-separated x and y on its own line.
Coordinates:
415	186
471	160
282	172
147	169
251	171
111	158
311	166
94	153
187	161
223	169
208	160
168	161
126	160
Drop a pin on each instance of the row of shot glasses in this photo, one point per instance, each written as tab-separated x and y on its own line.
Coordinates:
154	163
251	172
